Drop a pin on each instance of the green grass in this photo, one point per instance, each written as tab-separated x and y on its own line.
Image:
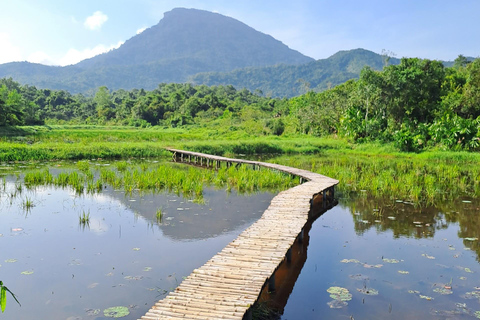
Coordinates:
379	169
84	218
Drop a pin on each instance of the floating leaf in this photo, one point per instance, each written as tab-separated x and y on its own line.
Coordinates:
359	277
466	201
468	270
427	256
443	291
337	304
471	239
350	261
136	249
147	268
93	285
136	278
116	312
426	297
391	260
368	291
463	278
477	314
403	272
413	291
391	218
28	272
471	295
92	312
339	293
11	260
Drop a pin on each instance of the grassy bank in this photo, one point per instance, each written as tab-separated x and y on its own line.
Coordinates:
375	169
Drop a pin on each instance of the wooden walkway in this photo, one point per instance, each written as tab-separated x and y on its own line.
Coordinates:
229	284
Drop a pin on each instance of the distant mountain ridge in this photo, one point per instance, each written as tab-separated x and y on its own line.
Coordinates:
288	81
201	47
185	42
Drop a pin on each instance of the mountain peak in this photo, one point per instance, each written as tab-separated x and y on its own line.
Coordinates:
201	40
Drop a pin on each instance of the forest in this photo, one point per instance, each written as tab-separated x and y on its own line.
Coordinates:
415	104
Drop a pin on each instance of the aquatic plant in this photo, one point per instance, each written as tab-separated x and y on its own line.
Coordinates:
116	312
159	215
27	204
84	218
3	296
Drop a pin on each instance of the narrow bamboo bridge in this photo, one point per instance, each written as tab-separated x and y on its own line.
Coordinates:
229	284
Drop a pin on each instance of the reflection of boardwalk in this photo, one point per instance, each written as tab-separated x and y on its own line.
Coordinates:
230	282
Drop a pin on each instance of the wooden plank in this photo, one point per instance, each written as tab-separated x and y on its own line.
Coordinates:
230	282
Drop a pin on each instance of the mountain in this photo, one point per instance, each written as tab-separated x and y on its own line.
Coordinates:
290	80
183	43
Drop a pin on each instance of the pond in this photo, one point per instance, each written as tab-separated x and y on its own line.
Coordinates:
369	258
122	254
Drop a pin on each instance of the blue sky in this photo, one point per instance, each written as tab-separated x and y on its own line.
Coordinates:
61	32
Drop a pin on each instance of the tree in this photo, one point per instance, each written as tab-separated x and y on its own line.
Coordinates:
104	104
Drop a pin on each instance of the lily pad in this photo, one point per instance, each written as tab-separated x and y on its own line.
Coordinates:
28	272
359	277
427	256
116	312
468	270
337	304
136	249
339	293
350	261
11	260
147	268
403	272
443	291
426	297
391	260
462	278
92	312
368	291
471	295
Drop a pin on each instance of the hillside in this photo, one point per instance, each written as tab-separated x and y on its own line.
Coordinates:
289	81
183	43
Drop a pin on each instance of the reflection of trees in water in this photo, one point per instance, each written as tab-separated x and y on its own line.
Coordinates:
406	220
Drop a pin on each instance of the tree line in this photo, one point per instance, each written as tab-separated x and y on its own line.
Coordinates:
415	104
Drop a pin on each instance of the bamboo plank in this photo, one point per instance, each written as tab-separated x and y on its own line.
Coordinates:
229	283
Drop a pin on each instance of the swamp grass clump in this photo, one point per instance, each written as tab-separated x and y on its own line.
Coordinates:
27	204
423	181
177	178
84	218
159	215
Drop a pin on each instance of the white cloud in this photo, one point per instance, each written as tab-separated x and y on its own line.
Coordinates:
73	55
8	52
40	57
96	20
141	30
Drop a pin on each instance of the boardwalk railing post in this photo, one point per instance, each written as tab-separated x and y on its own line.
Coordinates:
271	283
248	314
300	237
289	255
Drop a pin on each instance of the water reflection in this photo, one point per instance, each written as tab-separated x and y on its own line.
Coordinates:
185	220
394	260
406	220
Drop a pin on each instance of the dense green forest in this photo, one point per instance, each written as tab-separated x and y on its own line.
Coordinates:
415	104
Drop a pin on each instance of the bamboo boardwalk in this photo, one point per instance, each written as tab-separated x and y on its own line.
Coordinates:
228	284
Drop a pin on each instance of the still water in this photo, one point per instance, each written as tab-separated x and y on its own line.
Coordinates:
62	269
374	259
